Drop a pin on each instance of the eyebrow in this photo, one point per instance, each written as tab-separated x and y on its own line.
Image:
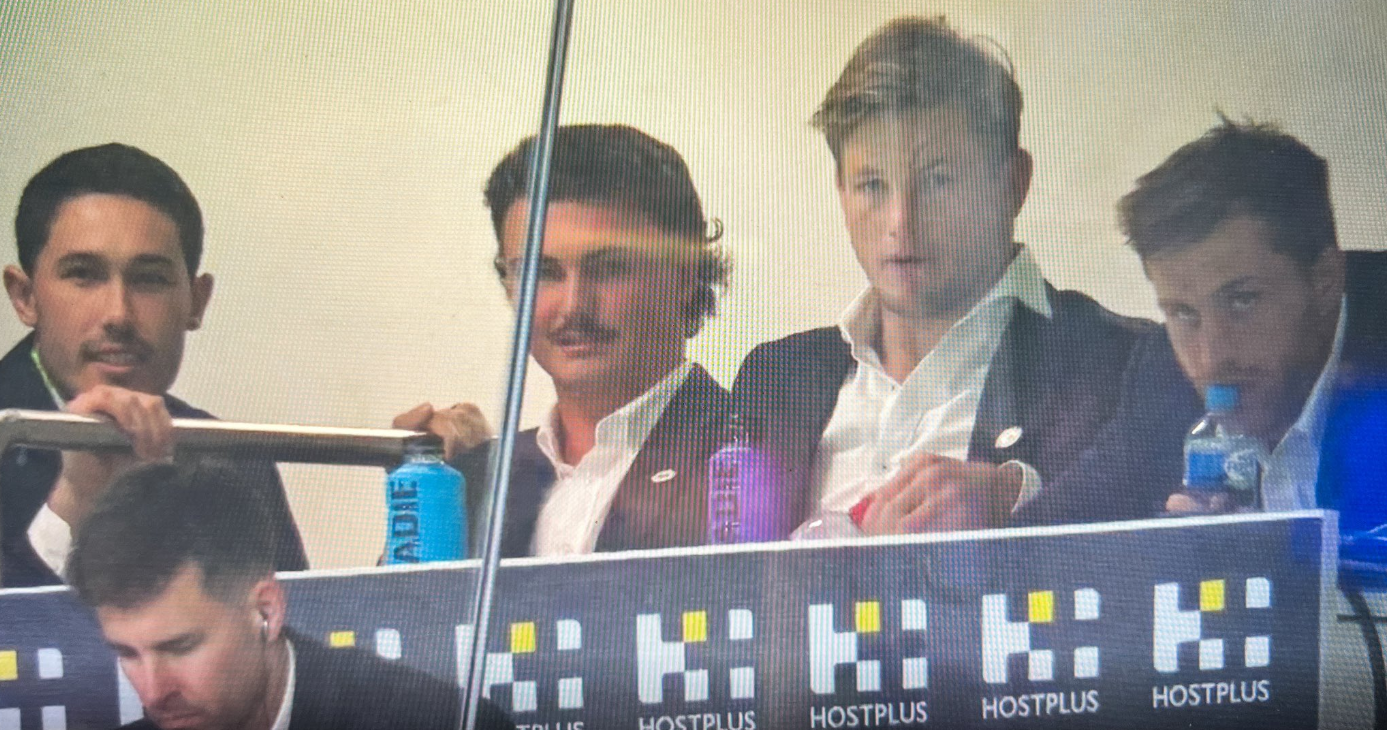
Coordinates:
1235	284
168	644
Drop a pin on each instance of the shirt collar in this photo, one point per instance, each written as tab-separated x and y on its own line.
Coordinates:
286	705
1021	282
628	426
1310	423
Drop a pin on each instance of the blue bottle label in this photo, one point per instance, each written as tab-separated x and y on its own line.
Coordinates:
1204	470
427	516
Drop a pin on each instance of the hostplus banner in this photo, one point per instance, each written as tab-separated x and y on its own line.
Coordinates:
1209	622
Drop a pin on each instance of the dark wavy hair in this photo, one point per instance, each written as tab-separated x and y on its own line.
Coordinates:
1234	169
613	164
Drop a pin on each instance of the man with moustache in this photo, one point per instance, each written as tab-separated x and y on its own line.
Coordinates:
109	242
960	384
626	277
1236	233
178	564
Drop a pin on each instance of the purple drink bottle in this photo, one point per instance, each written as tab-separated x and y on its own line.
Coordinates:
744	501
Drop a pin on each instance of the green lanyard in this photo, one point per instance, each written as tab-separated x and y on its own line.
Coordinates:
47	381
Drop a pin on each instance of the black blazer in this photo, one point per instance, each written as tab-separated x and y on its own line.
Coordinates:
28	475
1138	461
1057	379
645	513
349	689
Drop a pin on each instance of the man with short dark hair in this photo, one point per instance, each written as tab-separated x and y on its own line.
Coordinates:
627	275
109	241
1236	232
960	383
178	564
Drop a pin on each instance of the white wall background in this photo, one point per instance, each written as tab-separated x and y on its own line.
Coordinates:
339	151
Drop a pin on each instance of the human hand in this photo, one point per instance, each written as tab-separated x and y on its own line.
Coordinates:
933	493
1188	502
142	417
461	427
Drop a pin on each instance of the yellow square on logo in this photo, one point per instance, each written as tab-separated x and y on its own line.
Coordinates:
341	639
1211	595
9	665
1041	607
522	638
695	626
867	617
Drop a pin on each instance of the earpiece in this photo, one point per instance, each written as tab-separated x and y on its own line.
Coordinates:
264	628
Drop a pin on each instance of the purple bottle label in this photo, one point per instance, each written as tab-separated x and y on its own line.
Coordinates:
743	502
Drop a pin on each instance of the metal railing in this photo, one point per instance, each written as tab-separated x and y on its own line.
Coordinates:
272	442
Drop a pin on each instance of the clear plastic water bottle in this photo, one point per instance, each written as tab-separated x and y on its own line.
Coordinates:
427	513
1219	454
744	503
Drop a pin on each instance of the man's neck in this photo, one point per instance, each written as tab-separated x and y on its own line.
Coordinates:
1302	386
907	336
276	684
578	410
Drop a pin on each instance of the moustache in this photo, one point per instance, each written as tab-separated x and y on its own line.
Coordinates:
583	328
100	349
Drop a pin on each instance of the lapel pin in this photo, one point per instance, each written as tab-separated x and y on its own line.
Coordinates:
1008	437
663	476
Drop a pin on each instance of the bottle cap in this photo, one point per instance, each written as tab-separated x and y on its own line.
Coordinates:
1221	398
741	427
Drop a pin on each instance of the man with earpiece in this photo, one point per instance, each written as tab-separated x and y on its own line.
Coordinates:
178	564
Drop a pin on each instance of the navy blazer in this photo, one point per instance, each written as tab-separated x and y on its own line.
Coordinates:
1056	378
645	513
1137	462
350	689
28	475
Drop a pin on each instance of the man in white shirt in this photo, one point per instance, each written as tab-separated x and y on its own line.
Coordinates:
626	277
109	241
960	382
1236	233
178	564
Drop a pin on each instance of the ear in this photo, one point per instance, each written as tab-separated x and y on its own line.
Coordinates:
1327	280
1019	182
201	286
267	599
20	287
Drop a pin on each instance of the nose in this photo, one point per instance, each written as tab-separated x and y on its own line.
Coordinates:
578	295
1216	351
154	681
117	306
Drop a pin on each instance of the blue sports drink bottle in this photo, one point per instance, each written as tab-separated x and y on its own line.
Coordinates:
427	514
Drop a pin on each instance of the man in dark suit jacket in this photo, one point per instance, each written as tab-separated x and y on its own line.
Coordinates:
177	563
1257	294
626	277
109	243
960	383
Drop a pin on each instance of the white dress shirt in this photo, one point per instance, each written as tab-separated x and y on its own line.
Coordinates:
878	422
577	504
286	705
1291	471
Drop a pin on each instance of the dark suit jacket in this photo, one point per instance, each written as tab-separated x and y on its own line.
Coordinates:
1138	459
349	689
28	475
1055	378
645	513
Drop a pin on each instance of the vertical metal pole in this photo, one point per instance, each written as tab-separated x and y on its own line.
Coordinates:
541	153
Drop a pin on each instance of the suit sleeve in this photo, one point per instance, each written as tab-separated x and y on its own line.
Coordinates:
289	553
